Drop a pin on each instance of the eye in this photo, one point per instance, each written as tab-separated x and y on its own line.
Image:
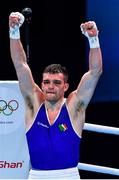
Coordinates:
57	82
46	81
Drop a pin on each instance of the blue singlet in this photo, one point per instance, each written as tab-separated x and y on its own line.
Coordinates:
53	147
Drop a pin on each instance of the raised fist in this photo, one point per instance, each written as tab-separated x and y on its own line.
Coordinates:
89	29
16	19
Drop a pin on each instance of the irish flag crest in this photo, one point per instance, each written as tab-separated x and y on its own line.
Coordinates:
62	127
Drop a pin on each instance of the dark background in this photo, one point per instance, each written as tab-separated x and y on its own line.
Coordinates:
55	37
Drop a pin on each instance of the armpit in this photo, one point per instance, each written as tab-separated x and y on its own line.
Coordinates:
80	106
29	104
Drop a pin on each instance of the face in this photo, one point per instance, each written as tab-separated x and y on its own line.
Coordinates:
53	86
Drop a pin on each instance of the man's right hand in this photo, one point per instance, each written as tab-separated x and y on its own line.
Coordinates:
16	19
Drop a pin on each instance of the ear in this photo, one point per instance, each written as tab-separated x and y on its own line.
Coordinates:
66	86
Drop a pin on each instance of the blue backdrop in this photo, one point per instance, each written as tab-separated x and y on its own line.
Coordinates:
106	15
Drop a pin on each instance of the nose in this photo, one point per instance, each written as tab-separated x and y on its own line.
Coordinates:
51	85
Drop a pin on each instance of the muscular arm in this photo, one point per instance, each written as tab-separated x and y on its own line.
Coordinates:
27	84
89	80
80	98
32	94
22	69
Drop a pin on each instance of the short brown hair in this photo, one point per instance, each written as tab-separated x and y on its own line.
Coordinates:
57	68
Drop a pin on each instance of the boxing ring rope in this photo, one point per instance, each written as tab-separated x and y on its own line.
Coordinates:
97	168
101	129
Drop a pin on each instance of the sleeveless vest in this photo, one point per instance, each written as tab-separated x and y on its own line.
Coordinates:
55	146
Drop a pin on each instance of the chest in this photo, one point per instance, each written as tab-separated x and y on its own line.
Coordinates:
52	115
52	118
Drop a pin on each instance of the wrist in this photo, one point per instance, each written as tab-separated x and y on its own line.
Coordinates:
14	33
94	42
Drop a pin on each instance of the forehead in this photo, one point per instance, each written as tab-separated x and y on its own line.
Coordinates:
58	76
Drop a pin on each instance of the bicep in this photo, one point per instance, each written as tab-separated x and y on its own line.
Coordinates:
86	88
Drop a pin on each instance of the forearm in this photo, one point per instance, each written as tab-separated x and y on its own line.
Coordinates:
17	52
95	61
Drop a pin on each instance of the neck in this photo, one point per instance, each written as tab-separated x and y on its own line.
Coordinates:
54	104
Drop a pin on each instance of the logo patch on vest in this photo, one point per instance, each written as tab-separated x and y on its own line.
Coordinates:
43	125
63	127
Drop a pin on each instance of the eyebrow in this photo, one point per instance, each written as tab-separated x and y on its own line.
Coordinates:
56	81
